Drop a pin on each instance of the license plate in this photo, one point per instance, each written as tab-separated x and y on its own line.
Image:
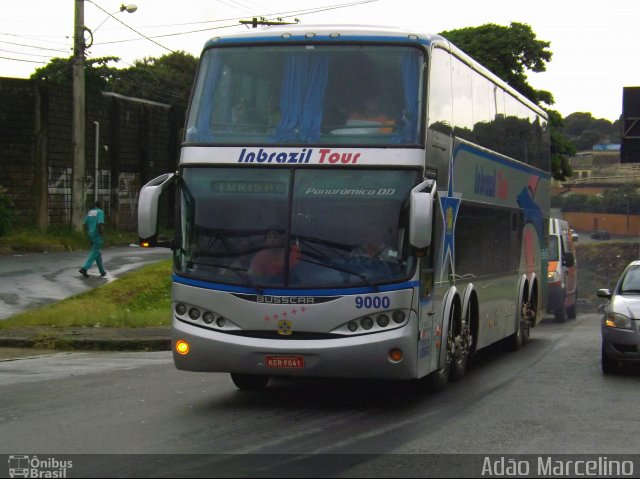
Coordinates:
285	362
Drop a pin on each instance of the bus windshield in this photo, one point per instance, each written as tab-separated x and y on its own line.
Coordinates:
304	228
307	94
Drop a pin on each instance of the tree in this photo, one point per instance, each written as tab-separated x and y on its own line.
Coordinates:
561	147
167	79
585	130
510	52
59	71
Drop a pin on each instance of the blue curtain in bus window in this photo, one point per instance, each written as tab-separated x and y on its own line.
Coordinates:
411	62
212	77
302	96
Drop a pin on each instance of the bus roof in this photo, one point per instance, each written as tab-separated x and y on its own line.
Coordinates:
327	34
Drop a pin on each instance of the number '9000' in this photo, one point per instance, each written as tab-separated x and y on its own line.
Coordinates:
372	302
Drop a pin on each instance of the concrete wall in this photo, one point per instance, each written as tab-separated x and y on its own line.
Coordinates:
139	140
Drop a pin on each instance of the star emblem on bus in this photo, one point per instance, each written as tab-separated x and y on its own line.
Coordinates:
449	205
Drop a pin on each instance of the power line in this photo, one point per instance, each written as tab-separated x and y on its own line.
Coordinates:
24	53
234	5
294	13
31	46
20	60
130	28
34	38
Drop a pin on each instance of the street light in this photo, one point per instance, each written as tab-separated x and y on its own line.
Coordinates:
78	188
130	8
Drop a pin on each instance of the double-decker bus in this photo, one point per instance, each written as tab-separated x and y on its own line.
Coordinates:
352	202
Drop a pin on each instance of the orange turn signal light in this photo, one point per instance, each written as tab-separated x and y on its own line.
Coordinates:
145	244
182	347
396	355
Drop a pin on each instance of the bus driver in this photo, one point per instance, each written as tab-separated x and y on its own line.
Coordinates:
268	264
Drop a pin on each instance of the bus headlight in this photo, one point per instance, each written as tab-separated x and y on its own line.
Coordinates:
376	322
366	323
383	320
399	317
181	309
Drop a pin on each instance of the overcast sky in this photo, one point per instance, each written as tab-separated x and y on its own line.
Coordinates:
595	44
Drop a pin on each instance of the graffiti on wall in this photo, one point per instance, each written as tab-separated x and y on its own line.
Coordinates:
59	190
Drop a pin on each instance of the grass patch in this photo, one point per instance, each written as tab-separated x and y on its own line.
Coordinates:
58	239
601	264
142	298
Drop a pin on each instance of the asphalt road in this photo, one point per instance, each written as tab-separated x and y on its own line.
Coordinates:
37	279
548	398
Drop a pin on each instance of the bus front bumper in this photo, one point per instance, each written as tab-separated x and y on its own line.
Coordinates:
364	356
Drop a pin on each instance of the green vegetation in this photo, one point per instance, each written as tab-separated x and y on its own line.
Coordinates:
600	266
6	214
142	298
623	200
57	239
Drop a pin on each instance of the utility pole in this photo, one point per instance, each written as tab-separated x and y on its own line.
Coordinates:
78	187
255	22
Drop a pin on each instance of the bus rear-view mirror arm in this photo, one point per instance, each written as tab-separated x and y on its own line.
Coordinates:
421	211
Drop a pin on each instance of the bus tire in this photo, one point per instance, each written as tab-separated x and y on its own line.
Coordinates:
249	382
437	380
460	345
517	339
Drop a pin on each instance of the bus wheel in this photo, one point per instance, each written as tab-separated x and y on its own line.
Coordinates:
517	339
437	380
459	345
249	382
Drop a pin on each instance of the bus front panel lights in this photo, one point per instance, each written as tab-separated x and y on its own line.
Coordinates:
182	347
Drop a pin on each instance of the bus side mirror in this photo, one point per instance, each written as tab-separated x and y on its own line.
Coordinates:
148	209
421	212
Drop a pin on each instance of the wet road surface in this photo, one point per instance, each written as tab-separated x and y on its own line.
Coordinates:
36	279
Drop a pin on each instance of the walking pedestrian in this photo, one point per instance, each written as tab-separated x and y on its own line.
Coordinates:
94	227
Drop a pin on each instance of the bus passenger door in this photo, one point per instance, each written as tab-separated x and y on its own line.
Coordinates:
426	309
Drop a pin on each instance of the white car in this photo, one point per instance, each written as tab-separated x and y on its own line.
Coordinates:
621	320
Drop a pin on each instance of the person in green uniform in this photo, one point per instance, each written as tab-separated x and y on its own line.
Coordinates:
93	226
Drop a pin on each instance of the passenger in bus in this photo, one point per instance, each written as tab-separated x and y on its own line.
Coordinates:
268	264
369	113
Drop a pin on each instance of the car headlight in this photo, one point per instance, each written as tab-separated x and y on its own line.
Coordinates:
618	321
553	277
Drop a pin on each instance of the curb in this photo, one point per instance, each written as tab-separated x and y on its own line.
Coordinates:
102	339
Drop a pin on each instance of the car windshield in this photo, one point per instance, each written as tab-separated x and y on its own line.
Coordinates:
306	94
630	283
302	228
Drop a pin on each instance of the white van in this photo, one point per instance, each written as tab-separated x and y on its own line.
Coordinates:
562	273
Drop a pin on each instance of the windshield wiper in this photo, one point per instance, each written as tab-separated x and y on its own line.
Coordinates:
314	244
630	291
363	277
